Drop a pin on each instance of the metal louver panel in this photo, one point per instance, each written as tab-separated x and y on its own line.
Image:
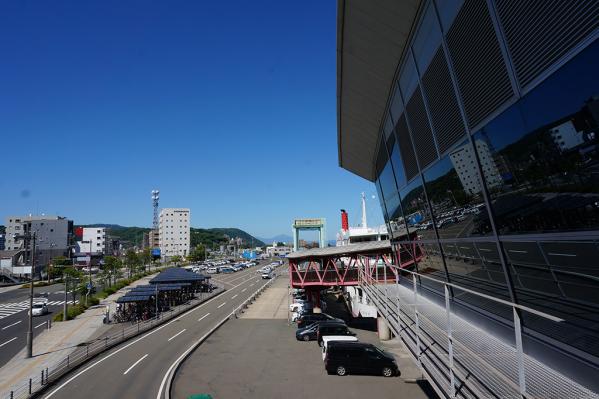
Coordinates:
539	33
481	73
442	102
405	148
421	130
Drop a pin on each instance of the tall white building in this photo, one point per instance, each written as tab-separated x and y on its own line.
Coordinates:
174	231
463	160
93	240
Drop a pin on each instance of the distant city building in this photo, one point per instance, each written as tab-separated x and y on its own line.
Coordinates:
278	250
463	160
93	240
53	236
154	239
566	136
174	231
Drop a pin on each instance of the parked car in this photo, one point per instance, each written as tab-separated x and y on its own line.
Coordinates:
307	334
325	329
335	338
212	270
310	318
344	358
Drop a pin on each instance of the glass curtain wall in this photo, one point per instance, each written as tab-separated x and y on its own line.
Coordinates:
538	161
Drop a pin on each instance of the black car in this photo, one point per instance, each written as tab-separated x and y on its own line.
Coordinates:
331	328
299	333
344	358
310	318
307	333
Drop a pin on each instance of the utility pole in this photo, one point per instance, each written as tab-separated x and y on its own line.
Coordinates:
30	328
65	315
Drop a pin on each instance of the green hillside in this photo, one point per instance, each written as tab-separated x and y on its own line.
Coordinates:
212	238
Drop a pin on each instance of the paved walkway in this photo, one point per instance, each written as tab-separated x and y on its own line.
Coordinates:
53	345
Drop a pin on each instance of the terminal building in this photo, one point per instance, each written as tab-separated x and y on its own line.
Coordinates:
478	122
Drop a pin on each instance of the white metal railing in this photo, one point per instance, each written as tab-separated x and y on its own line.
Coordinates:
471	369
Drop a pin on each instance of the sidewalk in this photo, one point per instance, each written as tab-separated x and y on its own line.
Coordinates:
53	345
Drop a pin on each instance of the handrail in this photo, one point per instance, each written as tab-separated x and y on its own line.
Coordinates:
498	300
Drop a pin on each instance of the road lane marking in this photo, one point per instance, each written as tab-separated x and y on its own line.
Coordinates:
243	290
203	317
221	305
67	382
8	342
251	285
234	296
177	334
135	364
13	324
42	324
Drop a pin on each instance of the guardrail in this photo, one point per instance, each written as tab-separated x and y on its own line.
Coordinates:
88	350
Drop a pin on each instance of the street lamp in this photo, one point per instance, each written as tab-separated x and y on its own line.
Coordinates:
28	237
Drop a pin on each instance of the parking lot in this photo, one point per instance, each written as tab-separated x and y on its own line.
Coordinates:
257	356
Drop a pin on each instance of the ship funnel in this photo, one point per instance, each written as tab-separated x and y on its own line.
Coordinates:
344	221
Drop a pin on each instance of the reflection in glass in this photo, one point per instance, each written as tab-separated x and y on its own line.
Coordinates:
416	211
454	189
397	227
387	181
540	157
560	278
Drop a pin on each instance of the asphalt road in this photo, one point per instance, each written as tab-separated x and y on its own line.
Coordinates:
14	321
137	369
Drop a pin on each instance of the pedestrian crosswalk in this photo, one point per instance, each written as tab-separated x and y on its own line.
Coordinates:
8	309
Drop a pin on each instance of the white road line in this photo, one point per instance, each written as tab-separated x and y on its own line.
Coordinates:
42	324
243	290
135	364
203	317
7	342
234	296
177	334
67	382
13	324
221	305
251	285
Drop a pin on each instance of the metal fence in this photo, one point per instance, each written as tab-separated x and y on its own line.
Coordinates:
88	350
461	359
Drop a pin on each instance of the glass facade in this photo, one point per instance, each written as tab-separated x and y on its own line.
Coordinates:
511	208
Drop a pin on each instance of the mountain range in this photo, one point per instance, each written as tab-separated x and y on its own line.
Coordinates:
212	238
278	238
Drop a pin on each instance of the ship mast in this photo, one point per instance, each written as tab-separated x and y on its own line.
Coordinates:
364	224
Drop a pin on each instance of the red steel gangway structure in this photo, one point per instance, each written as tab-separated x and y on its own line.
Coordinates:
321	268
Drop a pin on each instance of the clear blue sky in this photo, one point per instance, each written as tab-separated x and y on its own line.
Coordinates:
227	107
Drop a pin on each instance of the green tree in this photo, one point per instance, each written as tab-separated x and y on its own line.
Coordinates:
197	254
112	266
72	277
176	259
146	258
132	260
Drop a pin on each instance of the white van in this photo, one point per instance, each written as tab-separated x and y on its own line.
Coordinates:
212	270
328	338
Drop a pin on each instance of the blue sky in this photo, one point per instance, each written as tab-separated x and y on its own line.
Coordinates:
227	107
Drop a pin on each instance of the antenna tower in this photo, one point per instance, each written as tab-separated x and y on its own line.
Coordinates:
155	198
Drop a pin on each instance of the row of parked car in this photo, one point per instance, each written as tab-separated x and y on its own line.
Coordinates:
342	352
